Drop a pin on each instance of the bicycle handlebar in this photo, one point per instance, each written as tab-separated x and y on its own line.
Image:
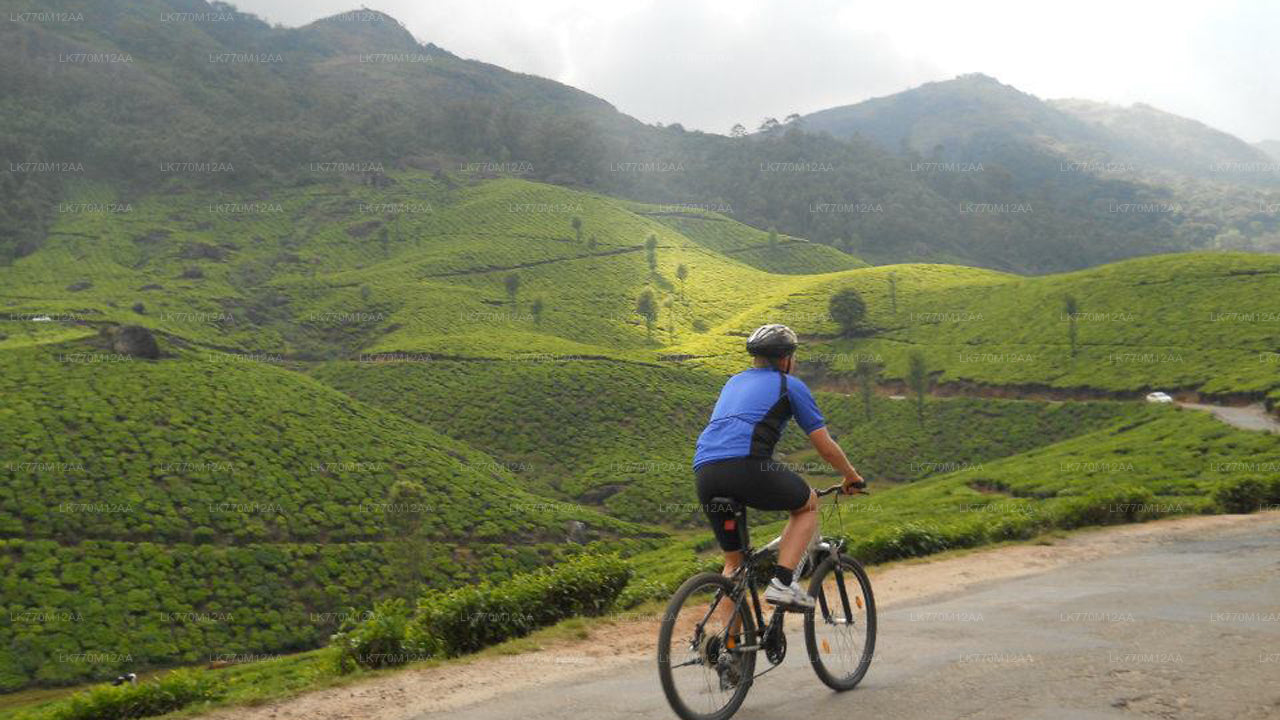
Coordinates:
836	488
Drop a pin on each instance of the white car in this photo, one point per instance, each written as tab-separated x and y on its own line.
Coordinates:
1159	397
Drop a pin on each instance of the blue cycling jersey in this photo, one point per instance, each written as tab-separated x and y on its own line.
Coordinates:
752	412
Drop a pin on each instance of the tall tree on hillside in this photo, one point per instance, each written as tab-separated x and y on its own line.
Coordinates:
682	274
512	283
671	319
1071	307
918	380
737	130
536	309
651	251
384	239
576	222
867	371
848	310
768	125
893	292
592	242
647	308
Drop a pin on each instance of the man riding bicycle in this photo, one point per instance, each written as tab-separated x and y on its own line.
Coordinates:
734	457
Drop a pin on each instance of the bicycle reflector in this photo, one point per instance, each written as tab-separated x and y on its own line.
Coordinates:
731	524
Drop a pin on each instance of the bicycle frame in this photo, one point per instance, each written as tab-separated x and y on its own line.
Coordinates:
744	582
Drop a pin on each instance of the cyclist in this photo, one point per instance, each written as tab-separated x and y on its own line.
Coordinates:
734	457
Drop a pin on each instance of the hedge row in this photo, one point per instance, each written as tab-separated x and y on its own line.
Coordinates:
467	619
1108	506
1249	494
170	692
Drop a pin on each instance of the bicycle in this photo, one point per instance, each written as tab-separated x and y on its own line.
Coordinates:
721	657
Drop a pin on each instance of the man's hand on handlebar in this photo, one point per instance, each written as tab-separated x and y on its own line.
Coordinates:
852	485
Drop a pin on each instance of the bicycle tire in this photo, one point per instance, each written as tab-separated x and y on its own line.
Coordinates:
678	704
850	568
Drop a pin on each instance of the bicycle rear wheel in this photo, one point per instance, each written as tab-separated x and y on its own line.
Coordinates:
840	631
702	675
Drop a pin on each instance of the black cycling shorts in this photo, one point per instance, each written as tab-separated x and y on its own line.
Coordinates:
755	482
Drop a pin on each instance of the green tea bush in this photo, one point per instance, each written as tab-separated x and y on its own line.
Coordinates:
471	618
661	584
903	541
1019	526
1246	495
374	640
1106	506
920	539
170	692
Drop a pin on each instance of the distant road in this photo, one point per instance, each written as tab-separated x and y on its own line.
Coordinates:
1184	626
1249	417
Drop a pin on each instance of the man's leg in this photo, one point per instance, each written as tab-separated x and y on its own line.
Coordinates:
796	536
732	561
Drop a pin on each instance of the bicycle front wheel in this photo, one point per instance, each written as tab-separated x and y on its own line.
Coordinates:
704	674
840	631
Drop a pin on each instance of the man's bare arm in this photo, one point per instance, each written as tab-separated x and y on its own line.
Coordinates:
831	451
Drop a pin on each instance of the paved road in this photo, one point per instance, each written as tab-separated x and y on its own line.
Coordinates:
1248	417
1185	628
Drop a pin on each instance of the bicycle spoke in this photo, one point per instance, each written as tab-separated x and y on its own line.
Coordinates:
840	637
710	676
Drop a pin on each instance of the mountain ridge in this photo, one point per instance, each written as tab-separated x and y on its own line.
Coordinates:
285	106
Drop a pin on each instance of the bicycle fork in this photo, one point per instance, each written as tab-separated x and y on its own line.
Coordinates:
847	619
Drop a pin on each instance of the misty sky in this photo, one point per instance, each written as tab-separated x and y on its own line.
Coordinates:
710	63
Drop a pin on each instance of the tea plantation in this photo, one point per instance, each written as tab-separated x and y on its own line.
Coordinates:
526	368
572	446
226	504
1203	322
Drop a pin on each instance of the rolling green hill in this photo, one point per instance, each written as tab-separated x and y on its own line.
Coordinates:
717	232
1199	322
959	433
620	436
204	504
420	265
615	435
